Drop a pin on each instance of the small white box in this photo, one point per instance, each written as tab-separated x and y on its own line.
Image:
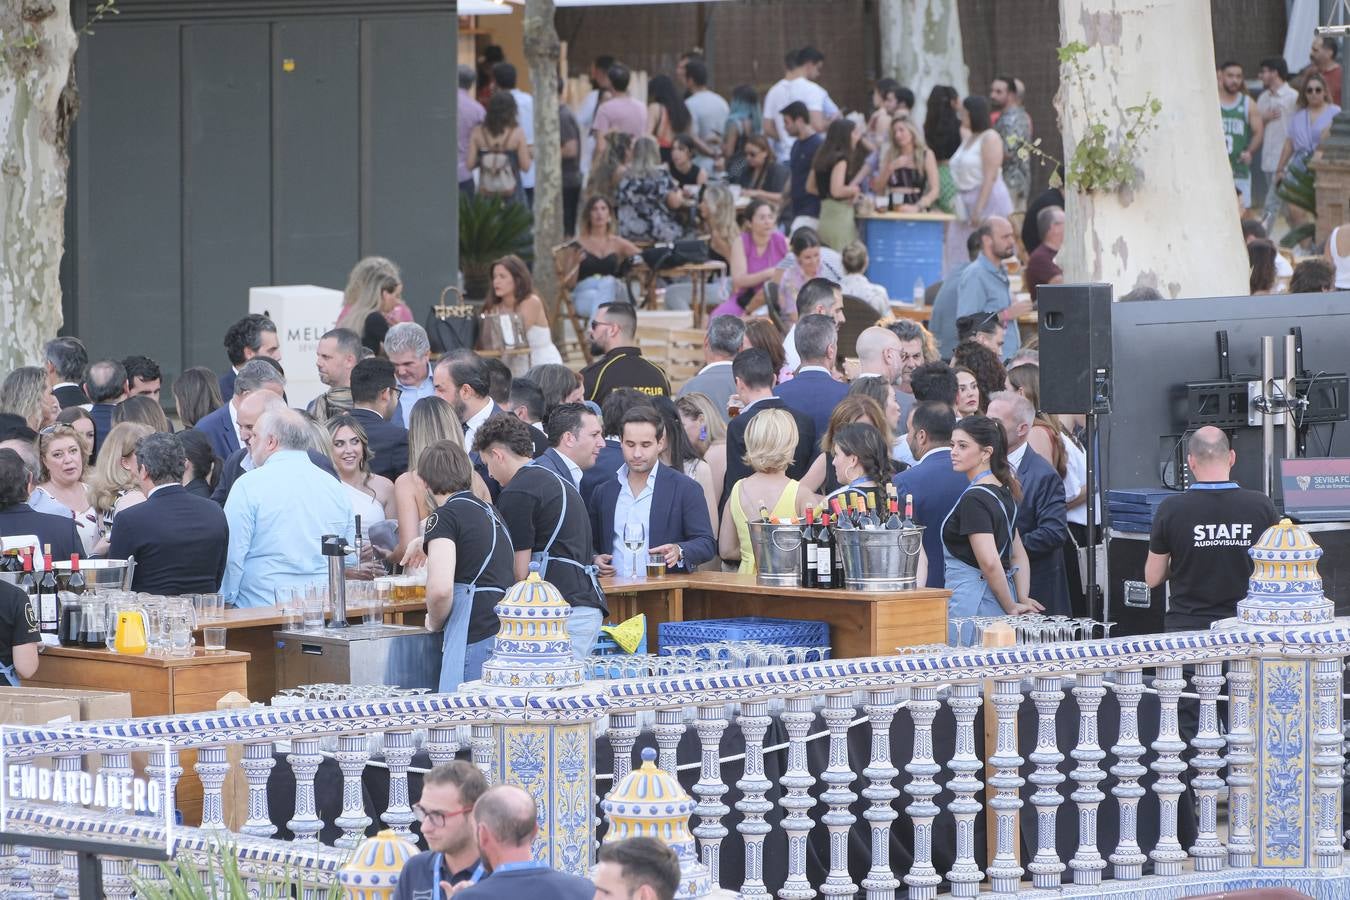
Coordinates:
302	313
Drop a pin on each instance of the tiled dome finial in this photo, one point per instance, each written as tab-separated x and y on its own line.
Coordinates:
1285	588
375	866
533	649
649	802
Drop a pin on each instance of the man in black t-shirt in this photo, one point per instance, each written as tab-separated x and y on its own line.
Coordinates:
1201	537
19	635
548	524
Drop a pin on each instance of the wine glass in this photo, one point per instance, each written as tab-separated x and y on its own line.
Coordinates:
634	539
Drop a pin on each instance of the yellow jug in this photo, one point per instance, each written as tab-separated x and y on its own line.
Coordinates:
130	632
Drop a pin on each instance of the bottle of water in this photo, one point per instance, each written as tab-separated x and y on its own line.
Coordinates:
918	292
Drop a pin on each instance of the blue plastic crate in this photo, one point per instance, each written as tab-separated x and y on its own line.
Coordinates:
784	632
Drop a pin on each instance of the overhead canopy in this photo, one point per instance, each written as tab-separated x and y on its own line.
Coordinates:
500	7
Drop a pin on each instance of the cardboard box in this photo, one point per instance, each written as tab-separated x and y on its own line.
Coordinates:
33	711
92	705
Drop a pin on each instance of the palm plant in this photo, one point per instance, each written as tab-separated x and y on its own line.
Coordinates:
223	881
488	230
1299	188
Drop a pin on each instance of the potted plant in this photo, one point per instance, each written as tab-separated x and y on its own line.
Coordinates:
488	230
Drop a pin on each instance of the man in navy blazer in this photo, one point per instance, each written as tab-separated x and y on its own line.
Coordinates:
18	518
575	442
374	404
754	373
179	540
1041	518
222	426
813	390
932	482
616	406
669	504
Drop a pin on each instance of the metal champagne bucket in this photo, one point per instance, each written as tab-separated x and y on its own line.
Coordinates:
777	548
880	559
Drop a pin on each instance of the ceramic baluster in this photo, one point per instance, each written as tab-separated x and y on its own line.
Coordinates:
880	882
797	802
1128	859
1168	856
1047	867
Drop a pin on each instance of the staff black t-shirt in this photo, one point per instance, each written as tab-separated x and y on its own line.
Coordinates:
977	512
470	526
18	622
1207	533
531	505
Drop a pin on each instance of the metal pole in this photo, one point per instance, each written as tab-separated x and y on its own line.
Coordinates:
1267	416
1290	398
91	876
1091	430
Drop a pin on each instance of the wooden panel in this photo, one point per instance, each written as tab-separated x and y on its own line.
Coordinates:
909	623
227	676
851	623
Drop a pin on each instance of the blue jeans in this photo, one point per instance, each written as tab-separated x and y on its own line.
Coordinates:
475	655
584	628
591	292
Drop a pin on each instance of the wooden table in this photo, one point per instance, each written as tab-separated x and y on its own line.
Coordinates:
699	274
862	623
250	631
158	685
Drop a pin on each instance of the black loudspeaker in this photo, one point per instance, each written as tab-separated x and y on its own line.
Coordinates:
1075	347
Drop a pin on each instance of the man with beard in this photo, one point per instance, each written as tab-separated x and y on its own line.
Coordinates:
620	362
984	283
463	381
449	792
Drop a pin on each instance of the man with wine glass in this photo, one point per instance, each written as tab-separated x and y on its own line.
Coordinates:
649	511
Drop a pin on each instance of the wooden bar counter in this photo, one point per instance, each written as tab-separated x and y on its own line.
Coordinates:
158	685
862	623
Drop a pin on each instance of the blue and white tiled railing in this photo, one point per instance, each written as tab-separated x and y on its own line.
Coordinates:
1282	755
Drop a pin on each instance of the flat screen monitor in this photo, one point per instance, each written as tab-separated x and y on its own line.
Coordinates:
1316	490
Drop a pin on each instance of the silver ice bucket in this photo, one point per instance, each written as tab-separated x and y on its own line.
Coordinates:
880	559
110	573
778	557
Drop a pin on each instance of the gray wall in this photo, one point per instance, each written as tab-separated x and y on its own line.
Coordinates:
201	168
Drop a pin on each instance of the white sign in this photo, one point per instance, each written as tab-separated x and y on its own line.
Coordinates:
102	790
302	313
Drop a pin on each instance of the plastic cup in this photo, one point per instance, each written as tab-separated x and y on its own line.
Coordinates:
212	606
213	638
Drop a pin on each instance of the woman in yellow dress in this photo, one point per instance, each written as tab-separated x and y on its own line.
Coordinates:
770	440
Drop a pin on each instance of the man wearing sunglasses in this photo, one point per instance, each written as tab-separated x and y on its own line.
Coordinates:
445	811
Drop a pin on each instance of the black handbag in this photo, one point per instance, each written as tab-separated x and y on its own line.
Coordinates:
659	257
451	328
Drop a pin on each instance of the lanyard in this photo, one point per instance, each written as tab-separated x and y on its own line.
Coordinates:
522	864
977	478
478	873
1213	486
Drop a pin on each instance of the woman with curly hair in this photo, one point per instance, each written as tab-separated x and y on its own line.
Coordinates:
990	376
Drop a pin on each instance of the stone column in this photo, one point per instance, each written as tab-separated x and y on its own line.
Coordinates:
544	727
1293	706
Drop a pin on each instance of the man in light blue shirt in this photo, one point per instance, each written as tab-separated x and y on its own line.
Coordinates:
409	349
278	513
637	484
984	285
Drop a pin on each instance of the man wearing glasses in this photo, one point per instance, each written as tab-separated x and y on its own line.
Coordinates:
445	812
375	396
620	363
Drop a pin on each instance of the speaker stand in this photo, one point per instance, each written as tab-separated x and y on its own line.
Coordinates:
1090	427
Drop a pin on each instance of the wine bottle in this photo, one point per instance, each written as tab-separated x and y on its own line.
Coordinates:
859	512
825	555
29	585
841	519
808	551
837	567
893	520
49	619
72	622
873	520
908	523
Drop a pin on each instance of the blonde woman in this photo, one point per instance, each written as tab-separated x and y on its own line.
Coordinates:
770	441
374	291
372	495
707	432
908	173
25	392
62	490
431	420
114	481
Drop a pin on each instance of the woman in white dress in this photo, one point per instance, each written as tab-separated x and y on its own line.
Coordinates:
513	292
371	495
977	169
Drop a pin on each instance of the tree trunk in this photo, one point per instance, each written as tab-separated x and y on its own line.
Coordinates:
38	102
921	47
1177	229
541	51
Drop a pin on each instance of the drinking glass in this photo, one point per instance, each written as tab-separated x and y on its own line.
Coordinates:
374	606
284	599
213	638
634	537
314	602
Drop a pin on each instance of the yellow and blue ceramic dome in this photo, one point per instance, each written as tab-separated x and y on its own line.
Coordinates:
649	802
1285	588
375	866
533	649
